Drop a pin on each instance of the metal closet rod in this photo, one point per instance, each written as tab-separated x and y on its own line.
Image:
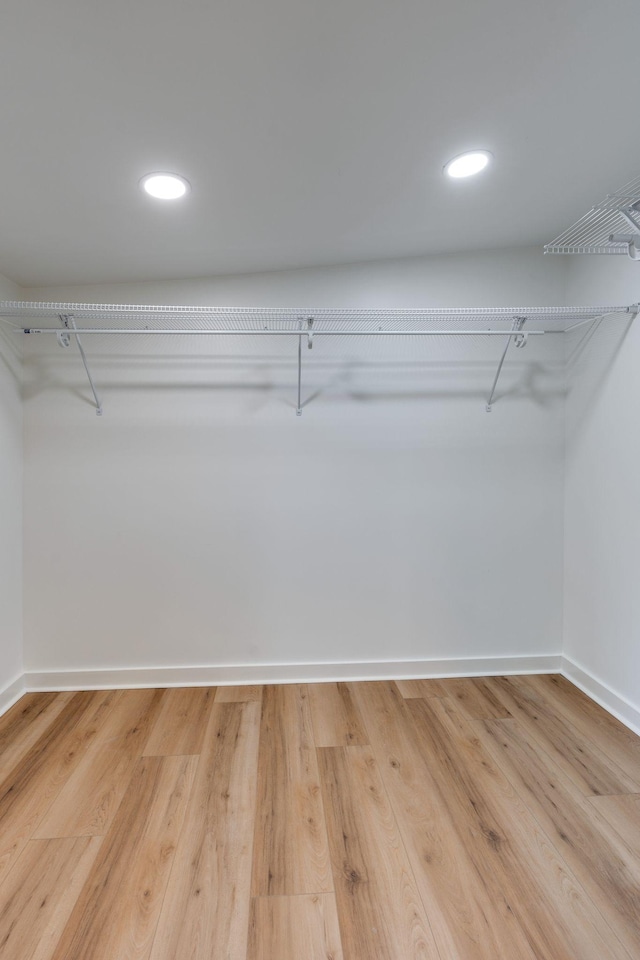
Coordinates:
289	333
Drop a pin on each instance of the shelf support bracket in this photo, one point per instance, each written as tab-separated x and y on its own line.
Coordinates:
630	214
520	341
299	403
309	333
632	241
68	322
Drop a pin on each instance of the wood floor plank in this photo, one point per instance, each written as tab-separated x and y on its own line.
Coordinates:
206	907
608	872
592	771
239	694
591	721
21	712
623	815
469	918
180	727
291	852
23	716
118	908
33	785
39	894
336	718
475	698
301	928
410	689
25	723
520	864
89	800
381	914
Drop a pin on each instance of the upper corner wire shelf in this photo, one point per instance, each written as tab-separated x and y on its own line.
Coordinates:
611	227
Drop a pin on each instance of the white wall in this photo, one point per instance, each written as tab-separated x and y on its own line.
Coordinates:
200	522
10	506
602	514
484	278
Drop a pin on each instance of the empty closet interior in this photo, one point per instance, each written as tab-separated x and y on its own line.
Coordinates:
424	515
319	473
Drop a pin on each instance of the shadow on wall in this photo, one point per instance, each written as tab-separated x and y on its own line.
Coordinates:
532	383
363	381
10	354
590	357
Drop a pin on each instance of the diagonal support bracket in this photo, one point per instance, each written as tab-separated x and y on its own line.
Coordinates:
69	324
309	335
520	341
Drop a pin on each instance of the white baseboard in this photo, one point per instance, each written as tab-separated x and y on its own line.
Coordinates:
226	674
613	703
11	693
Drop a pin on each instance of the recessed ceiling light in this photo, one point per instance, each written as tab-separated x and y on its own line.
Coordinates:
165	186
467	164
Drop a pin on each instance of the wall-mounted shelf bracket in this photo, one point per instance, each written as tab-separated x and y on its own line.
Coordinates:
631	215
632	241
64	339
520	341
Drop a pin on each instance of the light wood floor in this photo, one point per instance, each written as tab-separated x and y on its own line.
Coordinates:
490	819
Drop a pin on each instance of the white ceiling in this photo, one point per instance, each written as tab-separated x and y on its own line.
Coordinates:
312	132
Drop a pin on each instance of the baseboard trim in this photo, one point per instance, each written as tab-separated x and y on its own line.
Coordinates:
12	693
618	706
228	674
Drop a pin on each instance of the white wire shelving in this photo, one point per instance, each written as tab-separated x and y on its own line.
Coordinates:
611	227
67	322
126	319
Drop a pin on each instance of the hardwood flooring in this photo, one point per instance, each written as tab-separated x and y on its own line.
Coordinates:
476	819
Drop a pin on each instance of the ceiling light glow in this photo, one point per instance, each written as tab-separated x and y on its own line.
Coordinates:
467	164
165	186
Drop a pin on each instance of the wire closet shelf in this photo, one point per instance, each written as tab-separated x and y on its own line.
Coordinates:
137	319
611	227
72	321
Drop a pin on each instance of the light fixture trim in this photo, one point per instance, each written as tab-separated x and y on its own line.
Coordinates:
468	164
165	186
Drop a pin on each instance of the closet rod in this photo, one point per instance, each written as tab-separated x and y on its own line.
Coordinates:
288	333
